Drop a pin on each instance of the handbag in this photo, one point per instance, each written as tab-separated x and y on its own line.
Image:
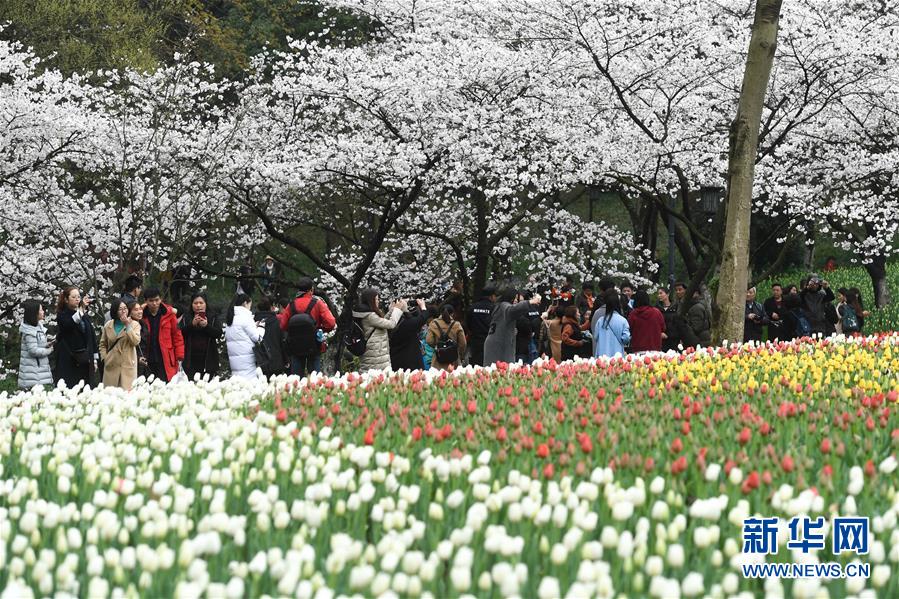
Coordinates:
80	357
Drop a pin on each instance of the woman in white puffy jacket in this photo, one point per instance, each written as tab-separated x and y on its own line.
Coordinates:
241	335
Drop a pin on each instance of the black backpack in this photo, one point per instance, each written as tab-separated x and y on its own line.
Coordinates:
263	356
446	351
301	330
355	340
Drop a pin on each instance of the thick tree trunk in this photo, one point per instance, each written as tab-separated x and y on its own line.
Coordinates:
877	270
744	133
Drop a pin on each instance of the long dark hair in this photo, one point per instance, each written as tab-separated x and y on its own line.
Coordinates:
447	312
854	299
31	307
613	304
367	299
239	300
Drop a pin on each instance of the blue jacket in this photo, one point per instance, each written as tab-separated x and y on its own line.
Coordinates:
611	339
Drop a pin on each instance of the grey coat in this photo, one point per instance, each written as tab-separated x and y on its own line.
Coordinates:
500	343
377	349
34	365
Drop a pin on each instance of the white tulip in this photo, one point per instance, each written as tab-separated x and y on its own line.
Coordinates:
549	588
558	555
692	584
675	556
622	511
460	578
880	575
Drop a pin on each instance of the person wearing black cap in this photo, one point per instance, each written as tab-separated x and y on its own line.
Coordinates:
478	324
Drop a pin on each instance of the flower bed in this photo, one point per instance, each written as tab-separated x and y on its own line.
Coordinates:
584	479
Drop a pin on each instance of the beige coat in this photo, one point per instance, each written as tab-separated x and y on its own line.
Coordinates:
377	349
555	338
435	330
119	363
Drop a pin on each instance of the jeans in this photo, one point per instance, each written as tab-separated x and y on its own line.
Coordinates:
305	365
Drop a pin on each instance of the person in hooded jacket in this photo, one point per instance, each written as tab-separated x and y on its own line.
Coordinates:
76	343
699	319
500	343
447	325
405	346
478	321
242	333
647	324
34	363
375	327
273	339
202	332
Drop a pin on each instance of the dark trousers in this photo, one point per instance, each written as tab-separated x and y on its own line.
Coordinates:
301	366
158	369
476	349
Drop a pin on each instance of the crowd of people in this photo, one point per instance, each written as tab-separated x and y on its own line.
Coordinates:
141	335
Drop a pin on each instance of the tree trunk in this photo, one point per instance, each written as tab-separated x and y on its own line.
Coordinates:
877	269
744	133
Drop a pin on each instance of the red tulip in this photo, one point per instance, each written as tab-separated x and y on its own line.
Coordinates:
869	468
787	464
369	437
677	445
744	436
542	450
825	445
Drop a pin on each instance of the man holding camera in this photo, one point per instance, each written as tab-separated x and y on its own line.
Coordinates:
815	296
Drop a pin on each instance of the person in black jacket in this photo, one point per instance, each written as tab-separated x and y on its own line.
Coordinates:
678	334
405	343
754	318
775	309
273	338
76	344
202	332
478	324
524	334
789	330
814	296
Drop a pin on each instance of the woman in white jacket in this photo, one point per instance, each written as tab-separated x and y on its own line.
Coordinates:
241	335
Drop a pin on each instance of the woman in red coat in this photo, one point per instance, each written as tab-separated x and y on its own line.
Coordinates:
647	325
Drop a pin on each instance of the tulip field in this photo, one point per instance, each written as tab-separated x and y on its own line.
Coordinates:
613	479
